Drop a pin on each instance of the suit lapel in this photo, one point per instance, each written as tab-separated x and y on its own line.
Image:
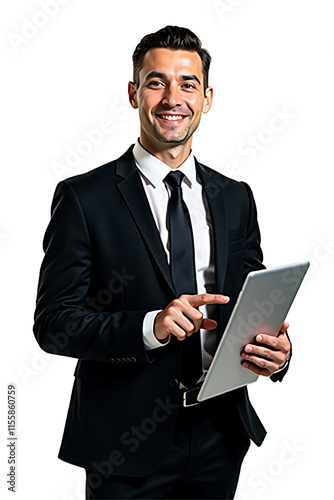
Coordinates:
214	189
133	193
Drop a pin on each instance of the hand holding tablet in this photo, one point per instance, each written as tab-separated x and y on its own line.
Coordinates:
268	354
261	309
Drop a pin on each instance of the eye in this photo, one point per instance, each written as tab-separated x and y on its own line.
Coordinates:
156	83
189	86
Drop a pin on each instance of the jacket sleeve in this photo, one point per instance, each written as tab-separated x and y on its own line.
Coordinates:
253	255
62	325
253	262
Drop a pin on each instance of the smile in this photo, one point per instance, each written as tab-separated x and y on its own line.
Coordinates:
172	117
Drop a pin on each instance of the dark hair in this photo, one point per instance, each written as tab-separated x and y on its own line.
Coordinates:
171	37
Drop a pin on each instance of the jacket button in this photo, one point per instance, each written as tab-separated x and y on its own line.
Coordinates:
174	383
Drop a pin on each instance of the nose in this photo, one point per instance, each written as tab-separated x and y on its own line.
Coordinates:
172	97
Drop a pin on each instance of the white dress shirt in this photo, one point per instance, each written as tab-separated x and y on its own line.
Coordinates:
152	172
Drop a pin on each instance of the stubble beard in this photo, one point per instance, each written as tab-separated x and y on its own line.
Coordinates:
177	138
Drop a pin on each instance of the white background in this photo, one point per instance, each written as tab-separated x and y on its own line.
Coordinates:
70	73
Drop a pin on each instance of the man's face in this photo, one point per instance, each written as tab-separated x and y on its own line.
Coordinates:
170	97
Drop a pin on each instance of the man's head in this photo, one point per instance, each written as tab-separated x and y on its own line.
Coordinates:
170	88
175	38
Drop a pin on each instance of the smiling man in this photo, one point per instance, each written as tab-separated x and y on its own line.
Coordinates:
144	260
171	98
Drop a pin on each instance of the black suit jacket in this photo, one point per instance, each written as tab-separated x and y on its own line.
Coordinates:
104	268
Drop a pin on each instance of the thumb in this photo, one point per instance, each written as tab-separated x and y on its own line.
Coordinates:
284	327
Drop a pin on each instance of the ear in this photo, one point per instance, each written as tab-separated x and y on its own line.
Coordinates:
208	99
132	92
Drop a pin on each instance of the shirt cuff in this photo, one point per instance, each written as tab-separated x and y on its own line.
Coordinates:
283	366
150	340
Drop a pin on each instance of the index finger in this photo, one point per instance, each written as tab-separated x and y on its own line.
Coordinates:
207	298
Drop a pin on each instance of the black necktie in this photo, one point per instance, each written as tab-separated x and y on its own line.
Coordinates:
182	265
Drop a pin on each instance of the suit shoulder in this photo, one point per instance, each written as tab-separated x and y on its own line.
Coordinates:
96	175
228	184
99	179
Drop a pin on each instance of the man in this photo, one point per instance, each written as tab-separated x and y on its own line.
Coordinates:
144	259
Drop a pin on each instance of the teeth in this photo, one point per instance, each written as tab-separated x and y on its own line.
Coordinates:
172	118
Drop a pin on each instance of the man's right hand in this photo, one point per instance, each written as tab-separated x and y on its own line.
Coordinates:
182	319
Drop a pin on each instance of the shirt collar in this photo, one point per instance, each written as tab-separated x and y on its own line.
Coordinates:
155	170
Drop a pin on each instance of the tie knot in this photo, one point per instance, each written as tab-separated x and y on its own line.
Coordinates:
174	179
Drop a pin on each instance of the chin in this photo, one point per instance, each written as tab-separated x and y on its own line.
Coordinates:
179	139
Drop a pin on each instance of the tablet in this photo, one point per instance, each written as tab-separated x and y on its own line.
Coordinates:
262	306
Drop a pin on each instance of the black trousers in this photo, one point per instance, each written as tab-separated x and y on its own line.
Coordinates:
203	462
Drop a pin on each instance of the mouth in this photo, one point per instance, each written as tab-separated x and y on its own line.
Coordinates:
171	119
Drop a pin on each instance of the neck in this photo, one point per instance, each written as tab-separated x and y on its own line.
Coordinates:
173	156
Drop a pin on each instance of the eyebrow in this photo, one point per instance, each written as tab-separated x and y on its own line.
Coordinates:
157	74
190	77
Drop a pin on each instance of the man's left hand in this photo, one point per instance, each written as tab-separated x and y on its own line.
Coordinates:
269	354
